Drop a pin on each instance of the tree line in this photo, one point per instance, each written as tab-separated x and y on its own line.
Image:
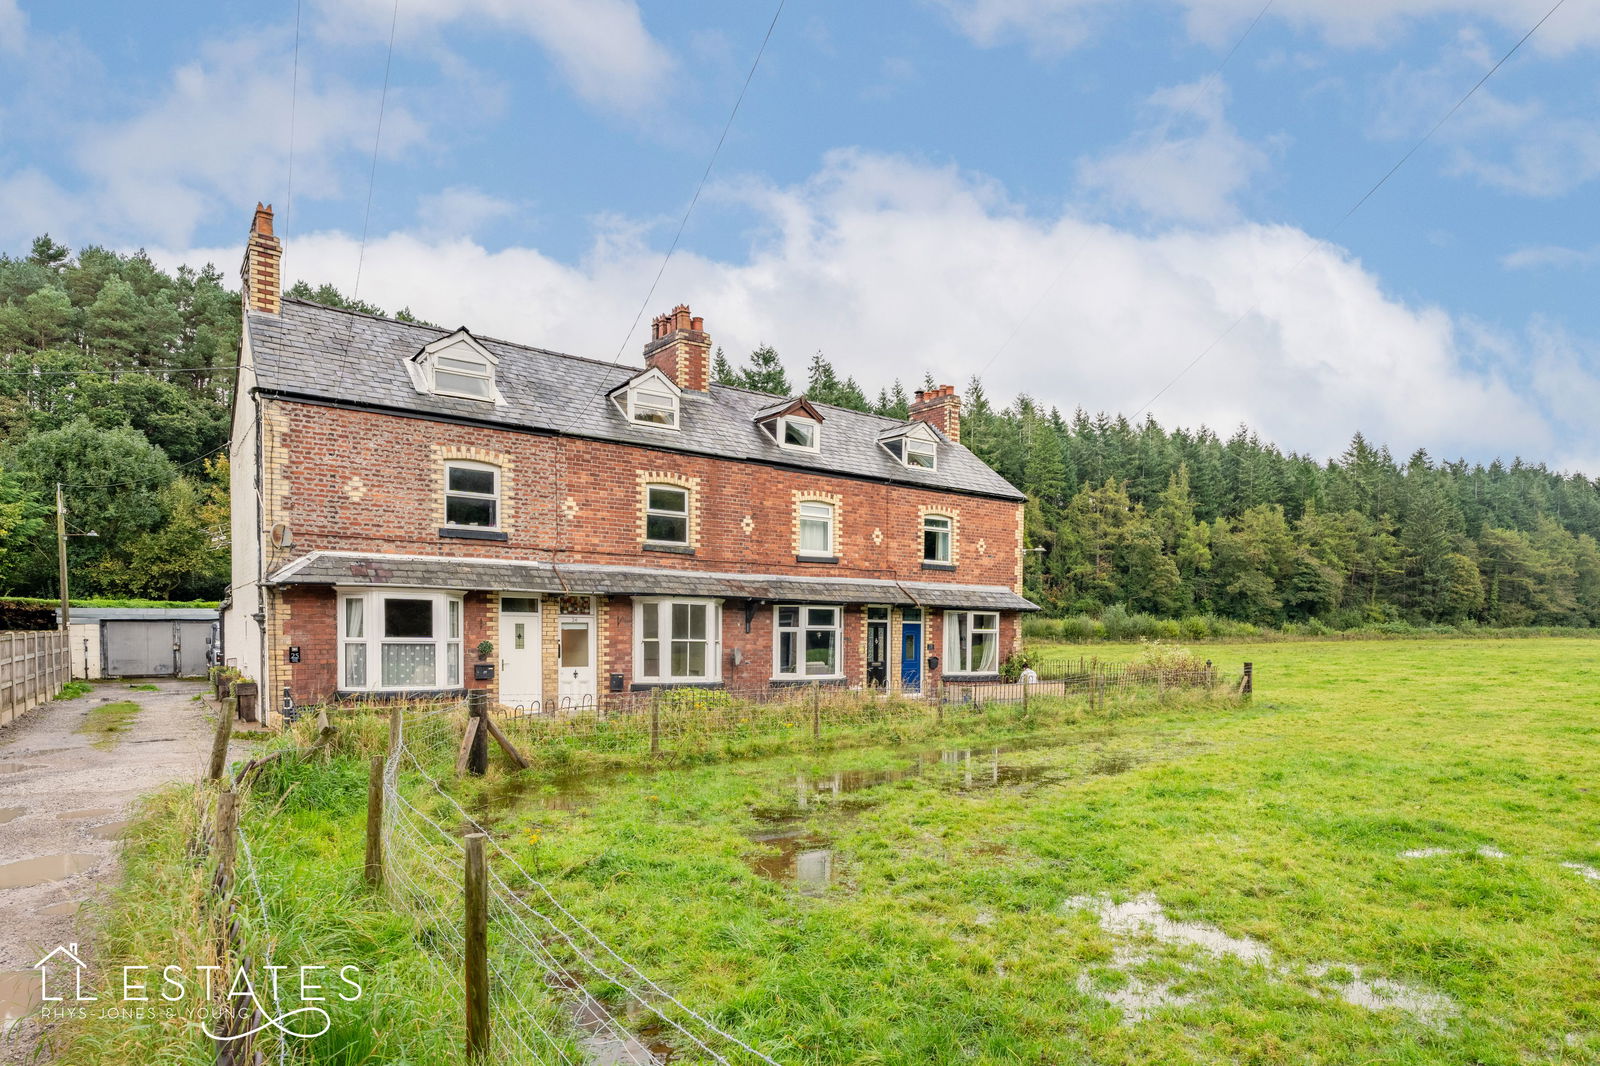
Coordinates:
1177	522
115	380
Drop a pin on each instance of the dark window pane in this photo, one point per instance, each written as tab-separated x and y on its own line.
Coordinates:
668	499
819	651
786	654
668	528
519	604
467	479
468	511
408	619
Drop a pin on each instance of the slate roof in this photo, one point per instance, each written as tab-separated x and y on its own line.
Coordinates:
324	353
440	572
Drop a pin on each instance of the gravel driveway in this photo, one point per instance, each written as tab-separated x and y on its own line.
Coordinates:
64	798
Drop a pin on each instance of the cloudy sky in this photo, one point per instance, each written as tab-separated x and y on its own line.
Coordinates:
1074	198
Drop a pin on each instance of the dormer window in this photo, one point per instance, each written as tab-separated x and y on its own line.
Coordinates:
915	445
456	365
793	424
799	433
650	399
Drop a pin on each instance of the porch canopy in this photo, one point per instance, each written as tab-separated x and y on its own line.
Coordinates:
588	579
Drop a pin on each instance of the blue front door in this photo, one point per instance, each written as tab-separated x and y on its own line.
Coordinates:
911	656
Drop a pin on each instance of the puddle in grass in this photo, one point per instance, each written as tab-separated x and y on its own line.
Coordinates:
606	1041
19	995
10	813
43	868
56	910
85	814
796	856
1140	928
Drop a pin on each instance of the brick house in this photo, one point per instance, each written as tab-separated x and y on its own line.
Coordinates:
418	510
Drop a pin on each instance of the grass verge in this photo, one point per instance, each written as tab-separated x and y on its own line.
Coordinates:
106	722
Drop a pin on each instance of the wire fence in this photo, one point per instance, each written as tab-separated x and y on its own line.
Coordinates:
693	719
544	986
542	959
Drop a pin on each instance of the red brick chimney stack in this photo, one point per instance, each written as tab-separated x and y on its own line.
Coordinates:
680	348
261	275
940	408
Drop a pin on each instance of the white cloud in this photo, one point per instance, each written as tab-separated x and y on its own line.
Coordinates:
219	136
1169	173
460	210
13	28
1056	25
601	46
1552	256
891	267
1045	26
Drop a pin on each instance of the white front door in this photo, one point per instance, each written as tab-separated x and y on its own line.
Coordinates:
577	662
521	664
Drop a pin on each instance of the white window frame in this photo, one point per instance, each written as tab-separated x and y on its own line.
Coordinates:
633	407
927	448
801	518
688	504
784	421
803	625
662	606
949	539
958	648
493	497
449	627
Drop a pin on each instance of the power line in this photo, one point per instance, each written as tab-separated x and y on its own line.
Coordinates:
294	102
377	140
1161	136
1355	206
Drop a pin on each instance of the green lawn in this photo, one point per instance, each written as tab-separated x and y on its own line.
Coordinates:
1170	885
945	933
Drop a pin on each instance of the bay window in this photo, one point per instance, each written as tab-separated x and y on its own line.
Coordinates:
395	640
806	642
677	640
971	642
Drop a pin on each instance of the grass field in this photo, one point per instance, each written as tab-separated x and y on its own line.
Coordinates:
1389	856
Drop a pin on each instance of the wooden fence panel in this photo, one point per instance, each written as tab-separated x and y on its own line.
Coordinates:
34	665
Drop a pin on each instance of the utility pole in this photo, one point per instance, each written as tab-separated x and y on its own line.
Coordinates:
61	551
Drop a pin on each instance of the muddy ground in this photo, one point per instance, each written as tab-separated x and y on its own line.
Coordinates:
65	796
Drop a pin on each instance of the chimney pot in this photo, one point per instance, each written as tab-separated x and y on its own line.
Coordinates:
680	349
262	283
939	407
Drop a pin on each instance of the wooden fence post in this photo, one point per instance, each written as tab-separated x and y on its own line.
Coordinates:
475	968
219	743
375	822
478	757
1248	684
816	711
227	836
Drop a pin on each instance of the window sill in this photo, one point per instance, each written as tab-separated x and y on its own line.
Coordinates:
820	560
950	675
466	533
928	564
831	680
699	682
671	549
